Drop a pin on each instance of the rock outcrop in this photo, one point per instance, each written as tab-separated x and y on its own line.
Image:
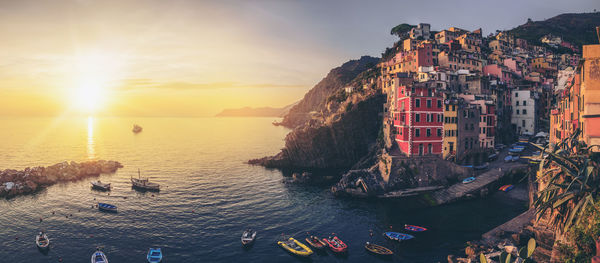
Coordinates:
29	180
336	141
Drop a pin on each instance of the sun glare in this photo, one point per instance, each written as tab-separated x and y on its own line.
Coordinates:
96	73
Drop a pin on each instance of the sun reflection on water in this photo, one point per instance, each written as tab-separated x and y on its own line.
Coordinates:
91	146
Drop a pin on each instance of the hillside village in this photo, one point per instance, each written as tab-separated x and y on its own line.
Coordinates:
459	95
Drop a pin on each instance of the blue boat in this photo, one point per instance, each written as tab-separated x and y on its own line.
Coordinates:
154	255
99	257
398	236
107	207
515	158
508	158
415	228
468	180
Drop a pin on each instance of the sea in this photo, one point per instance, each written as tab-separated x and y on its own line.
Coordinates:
209	196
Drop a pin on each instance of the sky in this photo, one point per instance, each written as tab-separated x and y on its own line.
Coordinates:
195	58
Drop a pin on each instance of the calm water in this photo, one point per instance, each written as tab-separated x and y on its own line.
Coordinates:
209	196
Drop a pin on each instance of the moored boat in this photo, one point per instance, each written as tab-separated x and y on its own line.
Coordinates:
248	237
295	247
506	188
468	180
414	228
136	128
42	241
154	255
377	249
335	244
507	159
107	207
100	185
144	184
99	257
398	236
315	242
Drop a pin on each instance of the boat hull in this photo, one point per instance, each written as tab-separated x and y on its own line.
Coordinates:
107	207
398	236
305	252
378	250
154	255
341	247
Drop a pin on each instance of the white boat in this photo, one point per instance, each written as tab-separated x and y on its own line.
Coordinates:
248	237
144	183
100	185
99	257
42	241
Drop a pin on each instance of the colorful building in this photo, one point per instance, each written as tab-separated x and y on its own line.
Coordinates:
418	119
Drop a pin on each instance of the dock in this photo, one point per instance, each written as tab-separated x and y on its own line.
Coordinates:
459	190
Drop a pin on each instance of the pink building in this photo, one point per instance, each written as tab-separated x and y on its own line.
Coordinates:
501	72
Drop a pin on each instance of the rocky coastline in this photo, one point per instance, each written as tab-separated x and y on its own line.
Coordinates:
31	179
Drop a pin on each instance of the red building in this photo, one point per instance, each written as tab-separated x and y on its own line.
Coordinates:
418	119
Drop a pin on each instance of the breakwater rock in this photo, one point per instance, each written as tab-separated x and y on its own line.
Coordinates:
17	182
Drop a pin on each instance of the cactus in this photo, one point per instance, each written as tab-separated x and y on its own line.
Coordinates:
482	258
505	257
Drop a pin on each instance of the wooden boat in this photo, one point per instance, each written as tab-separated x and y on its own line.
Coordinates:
315	242
414	228
144	184
99	257
100	185
398	236
377	249
335	244
248	237
154	255
107	207
295	247
42	241
468	180
136	128
506	188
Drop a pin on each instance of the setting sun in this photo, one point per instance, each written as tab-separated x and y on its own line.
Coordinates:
96	73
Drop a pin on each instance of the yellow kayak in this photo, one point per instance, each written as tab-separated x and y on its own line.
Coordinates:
295	247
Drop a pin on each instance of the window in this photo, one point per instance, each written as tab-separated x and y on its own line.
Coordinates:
466	126
417	117
524	111
523	124
517	103
428	132
402	105
430	148
516	94
524	103
439	117
428	103
453	108
439	132
417	103
439	103
517	112
447	107
472	127
417	132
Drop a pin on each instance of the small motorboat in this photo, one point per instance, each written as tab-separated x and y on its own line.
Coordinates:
107	207
42	241
468	180
154	255
515	158
506	188
377	249
507	159
295	247
481	167
144	184
335	244
315	242
99	257
100	185
398	236
248	237
414	228
136	128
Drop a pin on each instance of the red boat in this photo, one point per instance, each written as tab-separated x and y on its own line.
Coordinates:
414	228
335	244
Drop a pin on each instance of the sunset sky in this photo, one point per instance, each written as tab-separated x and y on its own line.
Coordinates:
194	58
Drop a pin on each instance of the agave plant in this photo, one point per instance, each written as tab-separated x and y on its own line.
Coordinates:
569	177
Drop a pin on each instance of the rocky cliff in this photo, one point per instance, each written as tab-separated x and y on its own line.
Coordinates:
338	140
315	100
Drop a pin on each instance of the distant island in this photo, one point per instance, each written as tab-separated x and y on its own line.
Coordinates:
256	112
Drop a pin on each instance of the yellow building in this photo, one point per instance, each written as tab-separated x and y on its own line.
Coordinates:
450	138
